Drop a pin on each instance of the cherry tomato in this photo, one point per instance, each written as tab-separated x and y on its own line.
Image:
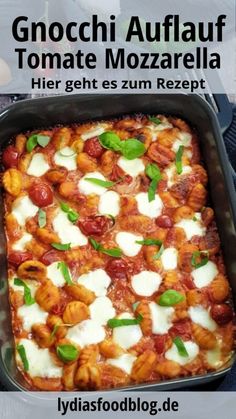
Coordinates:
10	156
93	147
58	309
117	268
160	341
94	225
164	221
41	194
221	313
16	258
50	257
181	329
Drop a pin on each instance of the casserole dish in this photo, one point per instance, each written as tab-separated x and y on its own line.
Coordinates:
199	116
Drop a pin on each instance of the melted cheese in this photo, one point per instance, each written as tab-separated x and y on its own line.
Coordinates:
124	362
204	275
88	188
184	138
19	245
97	281
101	310
67	232
127	336
127	243
173	355
40	360
192	228
86	333
161	318
146	283
201	316
66	157
38	165
172	175
155	129
132	167
213	358
31	315
151	209
23	208
93	132
109	203
54	273
169	258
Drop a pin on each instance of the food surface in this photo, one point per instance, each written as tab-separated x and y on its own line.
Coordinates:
114	264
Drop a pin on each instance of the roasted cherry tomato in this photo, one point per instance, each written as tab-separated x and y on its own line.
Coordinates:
94	225
16	258
41	194
182	329
50	257
117	268
221	313
10	157
93	147
164	221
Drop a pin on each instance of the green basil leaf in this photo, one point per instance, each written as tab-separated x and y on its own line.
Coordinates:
180	346
150	242
110	140
170	298
67	353
178	160
153	171
60	246
28	299
104	183
73	216
115	252
65	207
155	120
56	327
203	261
159	253
112	218
94	243
43	140
194	218
152	190
41	218
22	353
65	272
31	143
132	148
124	322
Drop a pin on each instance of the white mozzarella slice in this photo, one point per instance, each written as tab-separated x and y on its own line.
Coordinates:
127	243
88	188
38	165
40	361
124	362
31	315
54	273
32	285
23	208
169	258
155	129
97	281
201	316
204	275
93	132
172	175
173	355
151	209
132	167
161	318
214	358
191	228
86	333
184	138
109	203
19	245
146	283
67	232
101	310
66	157
127	336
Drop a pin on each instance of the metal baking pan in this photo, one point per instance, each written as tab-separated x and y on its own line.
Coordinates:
47	112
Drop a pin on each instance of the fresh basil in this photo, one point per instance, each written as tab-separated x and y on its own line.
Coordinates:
67	353
150	242
28	299
60	246
180	347
56	327
124	322
114	252
42	220
110	140
72	215
104	183
64	207
159	253
130	149
194	218
170	298
22	353
155	120
65	272
154	173
178	159
198	255
37	139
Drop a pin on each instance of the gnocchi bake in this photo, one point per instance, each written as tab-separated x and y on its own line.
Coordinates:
115	270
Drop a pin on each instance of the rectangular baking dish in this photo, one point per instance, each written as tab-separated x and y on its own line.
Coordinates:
47	112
